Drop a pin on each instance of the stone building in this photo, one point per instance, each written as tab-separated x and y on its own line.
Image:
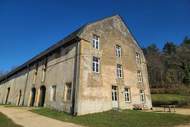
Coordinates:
98	67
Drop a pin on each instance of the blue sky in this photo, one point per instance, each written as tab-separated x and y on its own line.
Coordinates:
27	27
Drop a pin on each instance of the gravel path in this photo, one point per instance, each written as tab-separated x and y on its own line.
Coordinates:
26	118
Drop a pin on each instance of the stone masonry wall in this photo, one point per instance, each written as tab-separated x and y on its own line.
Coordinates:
59	71
96	88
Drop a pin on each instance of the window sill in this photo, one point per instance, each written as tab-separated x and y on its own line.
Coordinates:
97	73
120	78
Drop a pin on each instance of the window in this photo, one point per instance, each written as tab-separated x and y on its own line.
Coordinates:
35	74
114	93
96	41
118	51
68	91
44	67
119	71
96	64
138	58
127	95
142	96
53	93
139	76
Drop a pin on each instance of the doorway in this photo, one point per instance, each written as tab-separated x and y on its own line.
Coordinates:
7	97
33	96
114	97
42	96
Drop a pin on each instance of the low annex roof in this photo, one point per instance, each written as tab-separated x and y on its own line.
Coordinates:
72	36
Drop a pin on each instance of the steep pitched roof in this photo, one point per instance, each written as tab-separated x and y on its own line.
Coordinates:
73	35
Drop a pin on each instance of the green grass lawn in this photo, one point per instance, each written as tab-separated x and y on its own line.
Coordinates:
164	99
6	122
126	118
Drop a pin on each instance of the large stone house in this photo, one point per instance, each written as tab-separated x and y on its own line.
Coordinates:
98	67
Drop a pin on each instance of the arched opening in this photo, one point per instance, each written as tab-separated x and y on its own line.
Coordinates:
19	97
42	96
33	95
7	97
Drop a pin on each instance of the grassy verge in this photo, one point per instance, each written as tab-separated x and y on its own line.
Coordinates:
127	118
165	99
6	122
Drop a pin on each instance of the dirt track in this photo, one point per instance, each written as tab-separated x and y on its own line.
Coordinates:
26	118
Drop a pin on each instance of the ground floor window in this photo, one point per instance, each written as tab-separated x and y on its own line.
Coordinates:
142	96
53	93
114	93
68	91
127	95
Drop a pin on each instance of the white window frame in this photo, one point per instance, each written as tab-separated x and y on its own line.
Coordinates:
53	93
119	71
127	93
114	93
142	96
96	42
139	76
138	58
96	64
118	51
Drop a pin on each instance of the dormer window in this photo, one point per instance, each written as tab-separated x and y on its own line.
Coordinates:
96	42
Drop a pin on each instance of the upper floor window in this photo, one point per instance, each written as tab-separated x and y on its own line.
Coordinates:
96	42
43	72
142	96
35	74
119	71
53	93
139	76
96	64
127	95
138	58
44	68
118	51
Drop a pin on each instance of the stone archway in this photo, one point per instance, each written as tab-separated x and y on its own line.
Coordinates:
7	97
33	96
42	96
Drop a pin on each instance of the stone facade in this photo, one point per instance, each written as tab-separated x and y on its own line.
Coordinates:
63	78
